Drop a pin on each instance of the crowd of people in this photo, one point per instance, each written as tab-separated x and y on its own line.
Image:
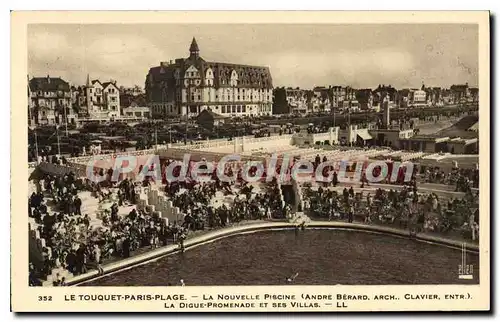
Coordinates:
74	243
407	209
462	178
201	210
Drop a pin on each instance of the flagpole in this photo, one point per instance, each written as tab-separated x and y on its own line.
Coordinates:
58	143
65	121
36	146
156	136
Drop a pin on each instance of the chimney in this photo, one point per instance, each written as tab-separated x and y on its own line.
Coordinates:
48	79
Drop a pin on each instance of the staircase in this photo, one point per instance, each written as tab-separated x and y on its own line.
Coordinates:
57	274
90	206
288	195
292	195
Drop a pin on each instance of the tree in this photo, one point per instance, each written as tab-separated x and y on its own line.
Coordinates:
280	104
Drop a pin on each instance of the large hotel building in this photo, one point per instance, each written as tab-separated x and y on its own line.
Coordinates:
191	85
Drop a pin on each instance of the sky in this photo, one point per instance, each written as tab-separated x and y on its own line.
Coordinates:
357	55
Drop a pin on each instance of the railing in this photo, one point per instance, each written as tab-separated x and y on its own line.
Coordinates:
108	156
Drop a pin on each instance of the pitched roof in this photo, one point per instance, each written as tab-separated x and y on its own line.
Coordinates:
214	115
127	100
48	84
106	84
194	46
459	88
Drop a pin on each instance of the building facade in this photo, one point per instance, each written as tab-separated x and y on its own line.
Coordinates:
460	94
297	100
187	86
49	101
134	106
321	100
100	99
365	98
419	98
474	93
385	93
434	96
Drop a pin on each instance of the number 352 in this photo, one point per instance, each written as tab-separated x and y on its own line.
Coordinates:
45	298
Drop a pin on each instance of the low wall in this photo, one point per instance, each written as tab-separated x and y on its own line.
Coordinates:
61	170
36	245
250	228
109	156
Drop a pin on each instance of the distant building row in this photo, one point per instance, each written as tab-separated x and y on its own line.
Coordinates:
339	98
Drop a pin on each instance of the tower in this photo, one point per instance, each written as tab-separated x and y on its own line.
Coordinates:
88	95
194	51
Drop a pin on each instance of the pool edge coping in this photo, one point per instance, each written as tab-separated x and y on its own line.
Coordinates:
141	259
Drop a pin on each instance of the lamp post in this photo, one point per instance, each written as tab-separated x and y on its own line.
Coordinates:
156	135
170	133
58	142
36	146
65	119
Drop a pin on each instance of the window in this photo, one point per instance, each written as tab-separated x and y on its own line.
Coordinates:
233	108
223	109
192	97
244	109
239	108
238	97
199	97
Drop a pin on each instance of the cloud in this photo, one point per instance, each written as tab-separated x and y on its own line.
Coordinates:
340	67
356	55
125	58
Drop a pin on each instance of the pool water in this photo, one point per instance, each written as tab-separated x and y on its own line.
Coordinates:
320	256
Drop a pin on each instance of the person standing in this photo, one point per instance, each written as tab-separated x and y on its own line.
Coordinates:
77	206
126	247
97	257
351	213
